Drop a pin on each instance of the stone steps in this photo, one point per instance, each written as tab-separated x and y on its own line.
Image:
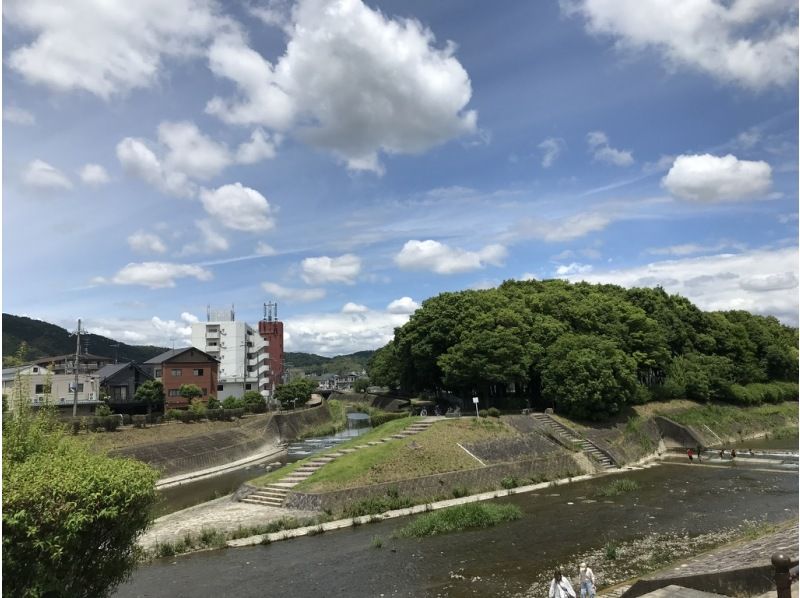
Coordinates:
569	437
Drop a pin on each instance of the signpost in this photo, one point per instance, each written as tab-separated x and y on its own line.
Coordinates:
475	400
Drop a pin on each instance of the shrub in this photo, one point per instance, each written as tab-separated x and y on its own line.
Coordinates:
228	414
618	487
75	426
493	412
232	402
611	551
378	419
198	408
139	421
483	413
460	491
173	414
110	423
509	482
102	410
213	403
461	517
126	419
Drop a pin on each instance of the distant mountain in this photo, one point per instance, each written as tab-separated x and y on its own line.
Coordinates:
46	340
317	364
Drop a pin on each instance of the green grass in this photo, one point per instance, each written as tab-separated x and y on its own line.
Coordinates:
458	518
617	487
430	452
338	411
731	421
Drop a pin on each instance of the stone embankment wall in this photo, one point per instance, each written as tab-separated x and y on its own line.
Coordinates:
503	450
554	466
194	453
627	443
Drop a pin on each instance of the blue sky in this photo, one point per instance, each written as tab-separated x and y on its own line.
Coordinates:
352	159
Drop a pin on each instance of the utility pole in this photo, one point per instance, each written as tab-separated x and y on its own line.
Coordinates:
77	369
116	352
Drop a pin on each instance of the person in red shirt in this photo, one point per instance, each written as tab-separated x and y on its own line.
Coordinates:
690	454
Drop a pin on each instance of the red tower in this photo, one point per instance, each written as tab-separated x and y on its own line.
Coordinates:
271	330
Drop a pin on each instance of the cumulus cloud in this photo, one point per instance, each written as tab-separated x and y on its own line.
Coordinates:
260	147
551	150
292	294
712	178
573	268
144	242
41	176
339	333
191	152
18	116
762	281
154	331
138	160
156	275
189	318
751	44
210	241
94	175
239	208
351	80
324	269
602	152
98	48
443	259
404	305
354	308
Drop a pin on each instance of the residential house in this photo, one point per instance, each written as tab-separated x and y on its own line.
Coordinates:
119	382
65	364
36	380
188	365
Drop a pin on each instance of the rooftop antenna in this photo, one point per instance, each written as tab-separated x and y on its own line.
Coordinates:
172	338
208	312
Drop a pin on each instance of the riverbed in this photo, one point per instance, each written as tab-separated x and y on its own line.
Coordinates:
558	525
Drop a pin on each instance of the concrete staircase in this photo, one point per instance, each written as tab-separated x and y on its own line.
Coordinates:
274	495
570	438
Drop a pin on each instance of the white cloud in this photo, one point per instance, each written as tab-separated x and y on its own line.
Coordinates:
564	229
152	331
94	175
18	116
189	318
748	43
603	152
694	248
324	269
573	268
210	240
552	148
352	81
340	333
41	176
292	294
260	147
191	152
264	249
102	47
762	281
443	259
404	305
146	243
354	308
239	208
713	178
156	275
140	161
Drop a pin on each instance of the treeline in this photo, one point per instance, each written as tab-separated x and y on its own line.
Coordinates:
587	349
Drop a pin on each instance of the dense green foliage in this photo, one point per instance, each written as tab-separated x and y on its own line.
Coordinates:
299	389
71	517
587	349
317	364
454	519
46	340
151	393
190	391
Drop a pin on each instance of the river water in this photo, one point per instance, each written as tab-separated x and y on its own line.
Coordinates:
558	524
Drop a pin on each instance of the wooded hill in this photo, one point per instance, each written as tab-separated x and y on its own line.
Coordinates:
587	349
317	364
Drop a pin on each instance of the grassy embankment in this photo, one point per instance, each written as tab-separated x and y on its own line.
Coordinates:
461	517
731	422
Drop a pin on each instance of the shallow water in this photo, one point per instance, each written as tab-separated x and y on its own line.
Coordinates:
557	524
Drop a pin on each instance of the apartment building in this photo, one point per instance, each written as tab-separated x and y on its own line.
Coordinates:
36	380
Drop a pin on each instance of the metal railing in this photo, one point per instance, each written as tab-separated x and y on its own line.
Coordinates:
785	573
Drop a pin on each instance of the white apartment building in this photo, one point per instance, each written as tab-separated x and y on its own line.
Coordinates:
242	354
35	378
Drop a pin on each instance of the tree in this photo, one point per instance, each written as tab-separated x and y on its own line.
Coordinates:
71	517
299	389
384	368
190	391
151	393
361	385
254	402
588	376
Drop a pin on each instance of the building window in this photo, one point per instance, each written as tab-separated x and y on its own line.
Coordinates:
220	387
205	391
197	372
212	343
39	389
157	373
35	370
176	372
173	392
248	386
72	387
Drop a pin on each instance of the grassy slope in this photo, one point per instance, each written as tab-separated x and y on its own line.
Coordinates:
728	420
430	452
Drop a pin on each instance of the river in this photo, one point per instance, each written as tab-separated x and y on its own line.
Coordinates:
557	526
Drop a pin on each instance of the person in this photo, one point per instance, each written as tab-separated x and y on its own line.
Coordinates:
721	453
752	454
699	451
689	454
560	586
586	576
733	453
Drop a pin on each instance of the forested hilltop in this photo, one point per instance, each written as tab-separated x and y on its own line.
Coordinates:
587	349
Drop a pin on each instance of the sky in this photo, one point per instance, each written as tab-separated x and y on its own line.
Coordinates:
351	159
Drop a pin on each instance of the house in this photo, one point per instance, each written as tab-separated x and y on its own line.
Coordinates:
119	382
188	365
41	386
65	364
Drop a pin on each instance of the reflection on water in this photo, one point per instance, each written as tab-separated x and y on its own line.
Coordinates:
559	524
310	446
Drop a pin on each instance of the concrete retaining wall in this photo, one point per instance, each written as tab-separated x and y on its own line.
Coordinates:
503	450
678	435
441	485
